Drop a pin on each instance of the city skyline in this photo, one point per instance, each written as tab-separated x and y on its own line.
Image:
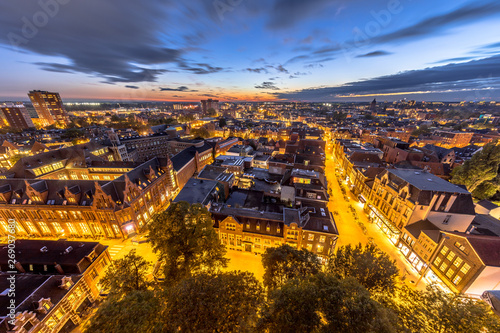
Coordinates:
235	50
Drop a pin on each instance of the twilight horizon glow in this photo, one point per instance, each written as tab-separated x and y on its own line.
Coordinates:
240	50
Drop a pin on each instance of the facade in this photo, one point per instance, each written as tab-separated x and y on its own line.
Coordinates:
59	282
15	116
400	197
49	107
452	139
245	229
468	264
209	104
87	208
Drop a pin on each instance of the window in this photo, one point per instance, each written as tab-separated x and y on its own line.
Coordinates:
248	225
257	226
320	248
268	228
457	279
310	237
278	229
44	227
437	261
443	266
230	226
309	247
322	239
465	268
458	261
444	250
450	273
450	256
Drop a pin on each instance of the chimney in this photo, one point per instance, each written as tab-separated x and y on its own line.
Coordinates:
58	268
19	267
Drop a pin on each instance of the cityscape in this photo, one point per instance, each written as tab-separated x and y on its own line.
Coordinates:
235	166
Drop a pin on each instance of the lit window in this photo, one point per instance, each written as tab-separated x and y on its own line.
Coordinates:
457	279
458	261
444	250
450	256
443	267
322	239
320	248
437	261
465	268
450	273
310	237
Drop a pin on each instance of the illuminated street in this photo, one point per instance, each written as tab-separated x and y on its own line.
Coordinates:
351	233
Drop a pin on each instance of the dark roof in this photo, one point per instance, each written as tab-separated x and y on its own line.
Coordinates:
487	204
29	252
196	191
427	181
486	247
426	227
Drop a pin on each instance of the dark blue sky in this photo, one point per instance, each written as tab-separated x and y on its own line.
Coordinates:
314	50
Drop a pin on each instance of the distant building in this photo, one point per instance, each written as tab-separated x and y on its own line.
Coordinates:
15	116
209	104
49	107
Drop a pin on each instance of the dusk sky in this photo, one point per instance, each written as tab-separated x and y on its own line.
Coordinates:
315	50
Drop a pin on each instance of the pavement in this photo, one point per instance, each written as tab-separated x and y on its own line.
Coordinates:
351	233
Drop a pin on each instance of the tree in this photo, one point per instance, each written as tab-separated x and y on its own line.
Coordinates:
434	310
223	302
183	236
211	112
201	132
324	303
292	308
482	167
284	263
126	275
137	311
372	267
424	129
222	122
73	133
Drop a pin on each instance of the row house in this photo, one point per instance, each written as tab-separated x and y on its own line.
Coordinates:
59	282
400	197
310	227
86	208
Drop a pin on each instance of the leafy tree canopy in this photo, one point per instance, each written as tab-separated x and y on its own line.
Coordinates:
126	275
479	170
224	302
285	262
369	265
183	236
137	311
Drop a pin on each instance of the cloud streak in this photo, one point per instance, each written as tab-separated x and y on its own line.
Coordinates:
476	74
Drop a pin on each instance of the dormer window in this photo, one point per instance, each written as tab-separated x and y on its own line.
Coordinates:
268	228
257	226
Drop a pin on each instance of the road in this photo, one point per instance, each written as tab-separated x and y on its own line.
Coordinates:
351	233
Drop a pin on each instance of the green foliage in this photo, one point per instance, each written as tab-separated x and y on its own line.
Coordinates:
372	267
126	275
183	236
201	132
285	262
137	311
211	112
424	129
480	169
434	310
13	160
185	118
323	303
73	133
225	302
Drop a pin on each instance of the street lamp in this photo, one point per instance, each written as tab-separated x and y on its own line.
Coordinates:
431	259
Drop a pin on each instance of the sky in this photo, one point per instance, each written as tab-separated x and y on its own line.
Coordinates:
251	50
